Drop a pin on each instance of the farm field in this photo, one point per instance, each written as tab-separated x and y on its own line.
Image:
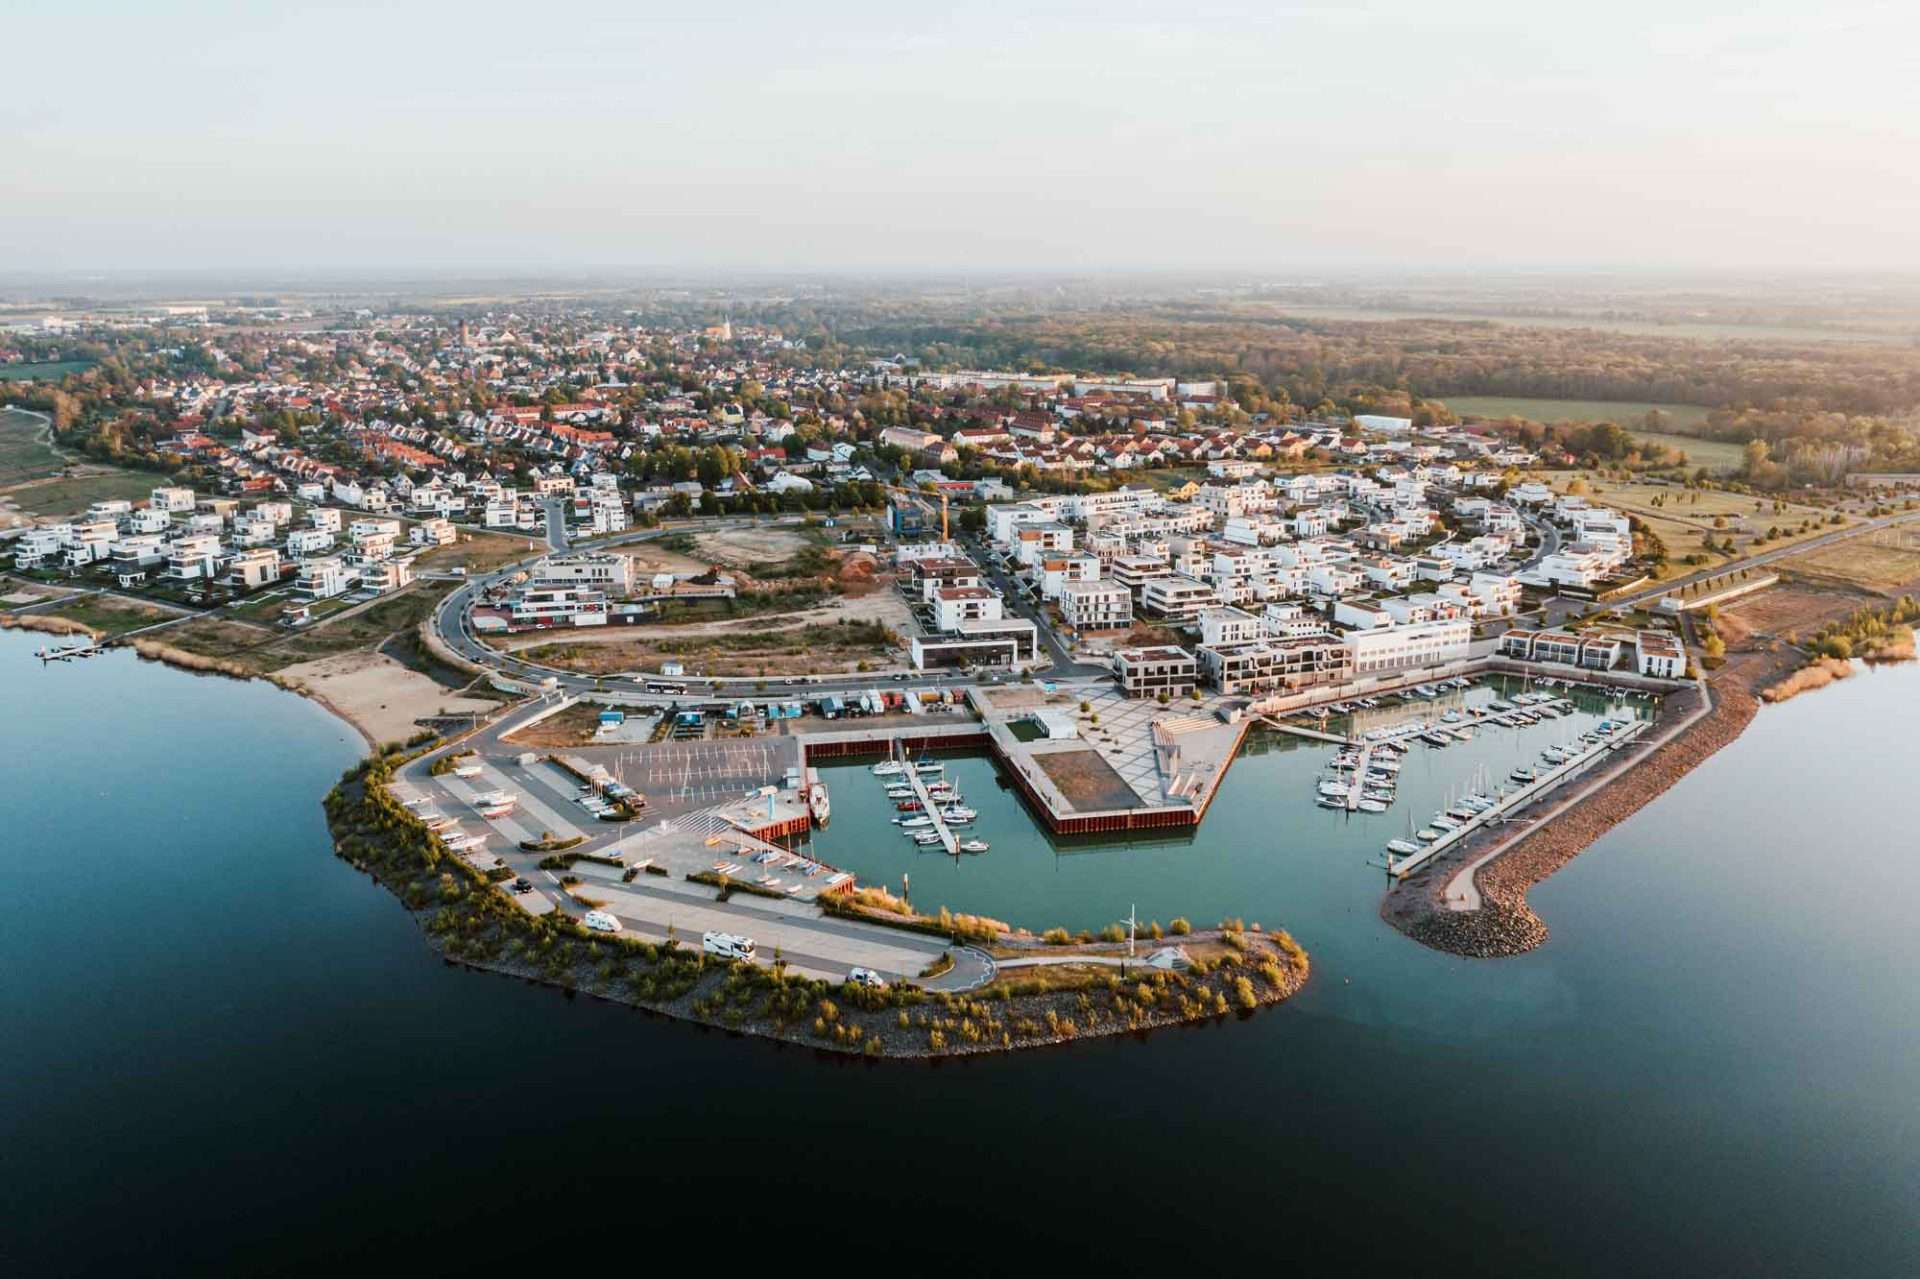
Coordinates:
1626	413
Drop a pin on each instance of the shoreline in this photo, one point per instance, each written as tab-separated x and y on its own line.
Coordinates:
148	650
468	921
1504	923
465	917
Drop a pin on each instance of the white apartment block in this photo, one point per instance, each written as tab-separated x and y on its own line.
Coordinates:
173	500
599	569
1096	605
1393	648
1176	597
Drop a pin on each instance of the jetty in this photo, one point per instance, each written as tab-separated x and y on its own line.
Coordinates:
1511	801
1359	782
930	808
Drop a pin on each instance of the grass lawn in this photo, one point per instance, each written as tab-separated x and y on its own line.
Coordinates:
74	495
23	454
1165	479
1626	413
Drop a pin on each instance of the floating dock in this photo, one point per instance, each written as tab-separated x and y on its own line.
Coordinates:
1520	798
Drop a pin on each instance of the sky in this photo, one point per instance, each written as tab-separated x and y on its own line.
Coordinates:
1253	138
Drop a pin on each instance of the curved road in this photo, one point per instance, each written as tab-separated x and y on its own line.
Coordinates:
453	622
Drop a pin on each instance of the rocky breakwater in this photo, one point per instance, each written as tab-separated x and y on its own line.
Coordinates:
1504	924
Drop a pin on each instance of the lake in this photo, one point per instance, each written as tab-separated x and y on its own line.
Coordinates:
224	1050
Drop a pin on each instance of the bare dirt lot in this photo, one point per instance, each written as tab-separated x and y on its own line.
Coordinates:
750	548
574	726
762	646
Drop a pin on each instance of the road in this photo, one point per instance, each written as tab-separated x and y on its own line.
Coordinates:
1761	560
453	621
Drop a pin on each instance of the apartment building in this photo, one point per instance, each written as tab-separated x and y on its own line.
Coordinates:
1176	597
1096	605
601	570
1565	648
1659	654
1153	672
953	605
1274	666
1228	626
1393	648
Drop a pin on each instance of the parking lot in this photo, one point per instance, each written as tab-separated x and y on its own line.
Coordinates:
702	772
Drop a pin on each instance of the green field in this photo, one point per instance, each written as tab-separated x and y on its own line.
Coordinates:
53	370
24	454
1715	455
1626	413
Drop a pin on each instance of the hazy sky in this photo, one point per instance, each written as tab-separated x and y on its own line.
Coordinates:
1039	135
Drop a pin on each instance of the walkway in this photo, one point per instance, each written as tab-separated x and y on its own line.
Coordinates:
1463	894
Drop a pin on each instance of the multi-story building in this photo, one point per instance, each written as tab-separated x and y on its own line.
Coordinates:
436	531
251	569
1227	626
601	570
193	558
953	605
323	578
1176	598
1097	605
173	500
558	606
1393	648
1565	648
1005	641
1659	654
304	542
1153	672
1273	666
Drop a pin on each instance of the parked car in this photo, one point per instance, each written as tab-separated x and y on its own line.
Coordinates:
866	977
600	921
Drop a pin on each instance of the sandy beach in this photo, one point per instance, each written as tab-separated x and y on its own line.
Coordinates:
378	695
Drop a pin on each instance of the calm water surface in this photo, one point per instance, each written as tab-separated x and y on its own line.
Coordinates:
223	1050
